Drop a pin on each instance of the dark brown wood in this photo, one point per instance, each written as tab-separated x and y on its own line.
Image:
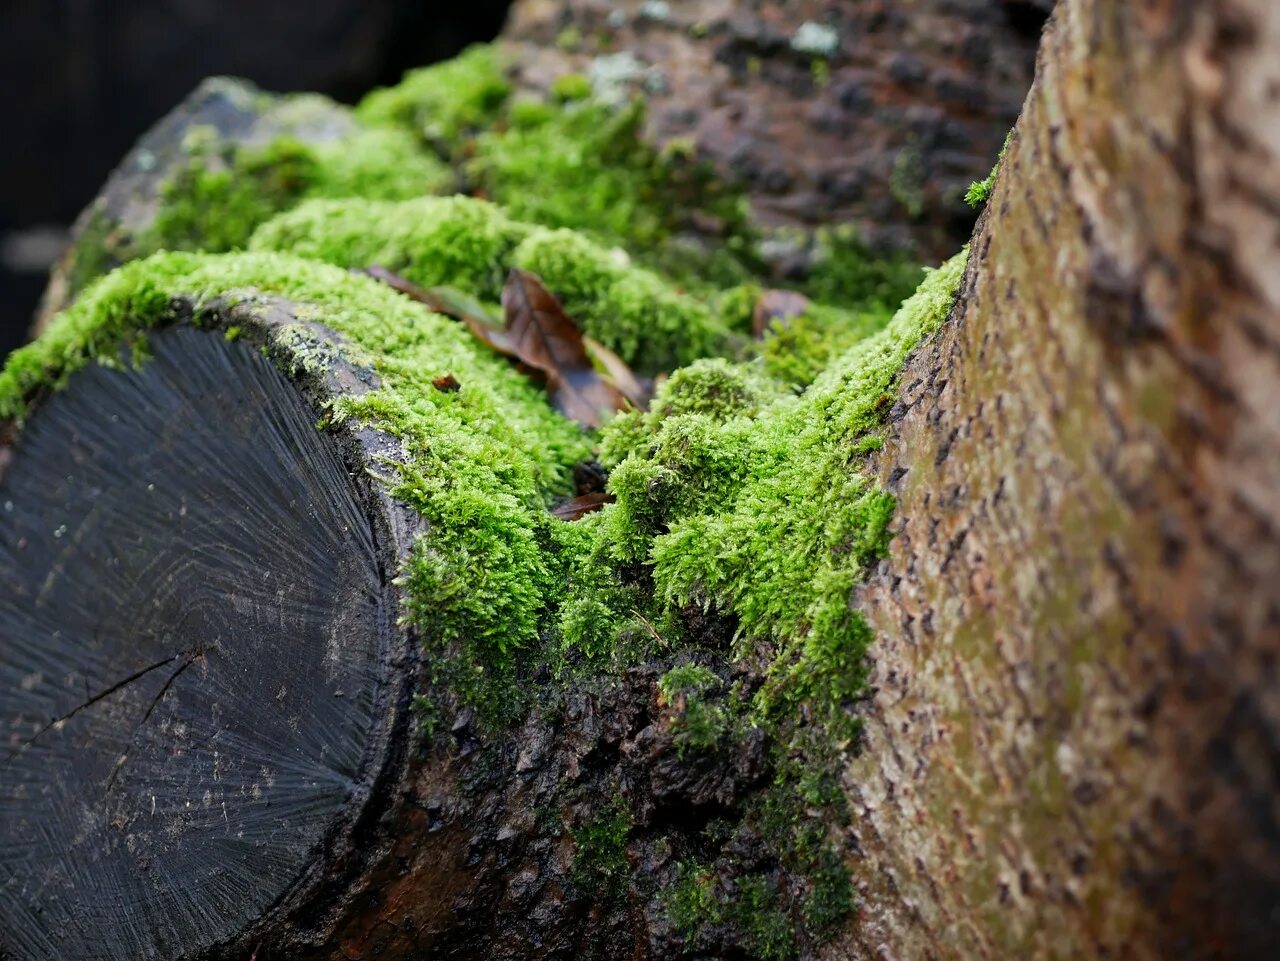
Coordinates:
190	746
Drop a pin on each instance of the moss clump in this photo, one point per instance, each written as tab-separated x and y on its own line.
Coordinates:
746	911
440	103
214	201
583	165
571	86
600	862
700	723
453	241
796	350
785	549
979	191
845	272
471	244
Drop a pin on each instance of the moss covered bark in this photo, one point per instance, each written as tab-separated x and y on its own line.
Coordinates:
745	515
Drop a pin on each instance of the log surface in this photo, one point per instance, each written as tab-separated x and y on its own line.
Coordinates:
189	741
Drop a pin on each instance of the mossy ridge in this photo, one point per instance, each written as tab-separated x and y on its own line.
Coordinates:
478	463
214	201
736	497
472	244
580	164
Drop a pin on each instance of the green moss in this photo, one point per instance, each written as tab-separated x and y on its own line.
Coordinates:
571	86
585	166
771	516
749	910
797	351
600	865
848	274
432	241
214	202
441	103
471	244
687	679
979	191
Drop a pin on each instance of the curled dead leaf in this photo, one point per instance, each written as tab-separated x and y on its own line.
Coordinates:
547	340
580	506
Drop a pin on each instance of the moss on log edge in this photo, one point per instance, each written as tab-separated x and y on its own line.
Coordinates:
513	606
707	613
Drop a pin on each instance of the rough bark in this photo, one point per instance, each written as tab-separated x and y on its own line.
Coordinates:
1071	751
1073	748
857	111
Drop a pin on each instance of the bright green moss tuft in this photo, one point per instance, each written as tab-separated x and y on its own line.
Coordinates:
797	351
687	679
980	191
471	244
432	241
771	516
442	102
571	86
214	202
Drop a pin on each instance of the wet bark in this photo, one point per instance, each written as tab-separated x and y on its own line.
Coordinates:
851	112
1074	749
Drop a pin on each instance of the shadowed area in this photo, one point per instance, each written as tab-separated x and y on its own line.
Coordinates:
192	655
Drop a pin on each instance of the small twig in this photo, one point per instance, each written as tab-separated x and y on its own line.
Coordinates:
652	630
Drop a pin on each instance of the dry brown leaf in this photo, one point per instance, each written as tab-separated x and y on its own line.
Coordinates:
616	372
577	507
543	338
452	303
546	339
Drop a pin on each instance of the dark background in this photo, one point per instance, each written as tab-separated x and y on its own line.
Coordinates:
80	80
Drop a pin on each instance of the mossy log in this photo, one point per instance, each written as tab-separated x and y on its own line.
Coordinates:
958	641
211	746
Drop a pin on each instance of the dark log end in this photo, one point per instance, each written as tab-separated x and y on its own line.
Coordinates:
187	747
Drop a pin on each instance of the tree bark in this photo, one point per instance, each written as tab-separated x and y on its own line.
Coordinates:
864	112
1072	751
1072	746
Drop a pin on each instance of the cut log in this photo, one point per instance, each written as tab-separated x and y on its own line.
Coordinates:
209	680
204	695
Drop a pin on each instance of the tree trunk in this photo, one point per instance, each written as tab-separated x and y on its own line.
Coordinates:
1073	749
241	667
